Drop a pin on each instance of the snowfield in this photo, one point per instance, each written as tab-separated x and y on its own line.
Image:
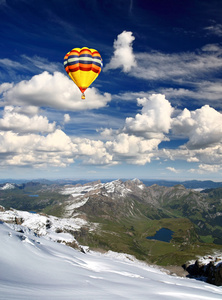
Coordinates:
81	190
51	227
35	267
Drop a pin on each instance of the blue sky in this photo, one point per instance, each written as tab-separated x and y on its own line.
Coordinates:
154	112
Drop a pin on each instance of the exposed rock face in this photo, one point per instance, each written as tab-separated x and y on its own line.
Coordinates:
2	208
215	274
209	268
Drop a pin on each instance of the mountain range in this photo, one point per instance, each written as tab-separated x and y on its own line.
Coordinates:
192	184
120	215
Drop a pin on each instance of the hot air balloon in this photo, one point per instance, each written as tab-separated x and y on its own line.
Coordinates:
83	65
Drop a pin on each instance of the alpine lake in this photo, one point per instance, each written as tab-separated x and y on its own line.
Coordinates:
163	235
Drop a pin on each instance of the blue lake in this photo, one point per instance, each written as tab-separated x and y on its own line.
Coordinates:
33	195
163	235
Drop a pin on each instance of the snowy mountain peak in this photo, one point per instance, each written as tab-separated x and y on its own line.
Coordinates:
7	186
116	187
80	194
137	181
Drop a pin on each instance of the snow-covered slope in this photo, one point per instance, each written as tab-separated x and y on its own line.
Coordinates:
37	268
56	229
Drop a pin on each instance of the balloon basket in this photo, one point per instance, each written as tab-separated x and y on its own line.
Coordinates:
83	96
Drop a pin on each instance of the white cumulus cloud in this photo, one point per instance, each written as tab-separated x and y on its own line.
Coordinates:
54	149
123	56
93	152
28	138
202	127
132	149
66	118
154	120
52	90
14	120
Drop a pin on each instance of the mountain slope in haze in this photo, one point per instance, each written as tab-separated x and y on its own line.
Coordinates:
34	267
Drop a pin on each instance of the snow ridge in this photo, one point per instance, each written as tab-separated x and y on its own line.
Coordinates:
51	227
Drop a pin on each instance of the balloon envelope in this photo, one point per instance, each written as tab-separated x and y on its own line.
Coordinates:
83	65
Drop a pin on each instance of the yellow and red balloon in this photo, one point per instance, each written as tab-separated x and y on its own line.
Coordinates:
83	65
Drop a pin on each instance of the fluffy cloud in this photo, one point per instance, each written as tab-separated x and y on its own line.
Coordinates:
209	168
93	152
204	168
57	141
5	86
123	56
154	119
54	149
66	118
35	150
52	90
202	127
29	139
15	120
138	140
172	169
132	149
209	156
24	110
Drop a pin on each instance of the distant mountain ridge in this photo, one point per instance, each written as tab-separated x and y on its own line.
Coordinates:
190	184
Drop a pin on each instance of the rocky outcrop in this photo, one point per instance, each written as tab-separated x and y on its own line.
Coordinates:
207	268
2	208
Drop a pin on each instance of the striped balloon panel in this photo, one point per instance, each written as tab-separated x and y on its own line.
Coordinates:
83	66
